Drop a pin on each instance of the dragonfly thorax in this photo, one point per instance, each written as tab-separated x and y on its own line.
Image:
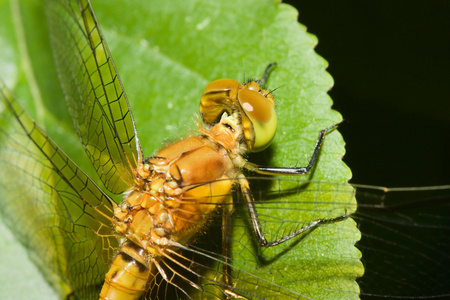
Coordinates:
171	201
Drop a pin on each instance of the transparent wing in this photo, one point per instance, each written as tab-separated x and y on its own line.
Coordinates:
94	94
321	261
55	209
405	241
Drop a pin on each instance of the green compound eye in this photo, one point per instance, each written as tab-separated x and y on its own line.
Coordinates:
259	108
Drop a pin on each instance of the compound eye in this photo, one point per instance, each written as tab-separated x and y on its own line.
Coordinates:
221	85
218	97
260	110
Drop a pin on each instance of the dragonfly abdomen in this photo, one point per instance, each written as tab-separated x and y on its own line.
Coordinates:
128	276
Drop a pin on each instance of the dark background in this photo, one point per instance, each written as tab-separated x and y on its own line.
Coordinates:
390	61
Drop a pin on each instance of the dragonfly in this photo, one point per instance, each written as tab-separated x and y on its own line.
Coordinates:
207	262
170	197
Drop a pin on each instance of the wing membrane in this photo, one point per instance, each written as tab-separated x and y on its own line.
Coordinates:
54	208
94	94
405	238
296	269
405	241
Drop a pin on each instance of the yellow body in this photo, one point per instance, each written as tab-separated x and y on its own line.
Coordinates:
165	209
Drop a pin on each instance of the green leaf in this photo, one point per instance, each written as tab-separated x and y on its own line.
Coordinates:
166	52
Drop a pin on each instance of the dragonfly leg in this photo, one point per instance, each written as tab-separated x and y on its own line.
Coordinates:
262	241
297	170
266	73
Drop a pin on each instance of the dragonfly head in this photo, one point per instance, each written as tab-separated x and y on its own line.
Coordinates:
255	105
